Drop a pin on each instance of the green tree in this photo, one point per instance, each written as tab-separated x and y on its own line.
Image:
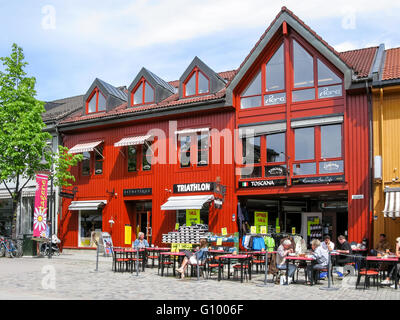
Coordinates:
22	139
63	161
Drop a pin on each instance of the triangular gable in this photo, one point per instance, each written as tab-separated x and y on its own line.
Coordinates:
216	81
303	30
162	88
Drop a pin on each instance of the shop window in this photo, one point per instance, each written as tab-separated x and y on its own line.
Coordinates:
132	159
276	147
181	216
98	160
96	102
196	84
86	164
194	148
143	93
90	223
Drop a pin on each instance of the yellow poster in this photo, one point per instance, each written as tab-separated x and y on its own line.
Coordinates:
192	217
128	235
224	231
278	229
293	230
263	229
253	229
219	241
260	219
177	226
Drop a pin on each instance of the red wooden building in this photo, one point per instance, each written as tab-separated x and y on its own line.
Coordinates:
302	116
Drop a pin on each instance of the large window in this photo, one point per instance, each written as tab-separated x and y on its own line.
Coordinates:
86	164
196	84
92	162
318	150
272	90
96	102
264	156
307	68
194	148
143	93
142	152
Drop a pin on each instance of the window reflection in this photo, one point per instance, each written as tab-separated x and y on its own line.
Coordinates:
331	141
303	67
276	147
251	150
304	144
275	71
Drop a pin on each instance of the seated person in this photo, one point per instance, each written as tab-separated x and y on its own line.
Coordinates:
327	244
283	250
141	242
193	258
321	257
395	268
344	248
382	246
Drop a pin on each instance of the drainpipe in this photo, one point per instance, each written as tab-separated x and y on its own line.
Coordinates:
381	145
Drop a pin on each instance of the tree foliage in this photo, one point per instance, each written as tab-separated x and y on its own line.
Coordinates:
63	161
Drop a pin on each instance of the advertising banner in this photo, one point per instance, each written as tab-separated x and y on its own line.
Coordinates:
260	219
40	213
192	217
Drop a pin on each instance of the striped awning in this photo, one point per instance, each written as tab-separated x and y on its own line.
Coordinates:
392	203
87	205
133	141
84	147
189	131
187	202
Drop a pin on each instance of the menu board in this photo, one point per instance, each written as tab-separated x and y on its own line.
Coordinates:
106	240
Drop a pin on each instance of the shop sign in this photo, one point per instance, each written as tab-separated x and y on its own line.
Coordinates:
275	171
66	195
194	187
137	192
262	183
318	180
272	99
357	197
224	231
260	219
128	234
192	217
330	92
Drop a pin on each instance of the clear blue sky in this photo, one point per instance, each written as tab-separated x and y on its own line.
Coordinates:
70	43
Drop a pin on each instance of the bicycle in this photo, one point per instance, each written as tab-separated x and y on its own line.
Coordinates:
2	247
12	250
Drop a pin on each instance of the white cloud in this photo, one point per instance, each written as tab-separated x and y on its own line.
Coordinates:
346	46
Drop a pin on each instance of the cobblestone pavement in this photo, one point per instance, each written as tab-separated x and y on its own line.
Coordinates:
75	278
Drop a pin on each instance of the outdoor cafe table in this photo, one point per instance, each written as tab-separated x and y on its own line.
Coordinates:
142	254
127	255
156	250
297	258
164	254
241	258
213	253
391	260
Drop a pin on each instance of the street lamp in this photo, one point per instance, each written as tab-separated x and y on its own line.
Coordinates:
44	162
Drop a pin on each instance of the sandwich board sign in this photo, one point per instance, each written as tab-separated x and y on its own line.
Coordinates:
106	244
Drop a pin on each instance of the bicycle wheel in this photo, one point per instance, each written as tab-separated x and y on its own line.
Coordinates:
2	251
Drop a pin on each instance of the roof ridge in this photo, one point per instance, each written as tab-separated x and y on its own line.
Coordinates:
359	49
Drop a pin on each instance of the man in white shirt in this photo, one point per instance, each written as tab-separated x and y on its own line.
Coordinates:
328	244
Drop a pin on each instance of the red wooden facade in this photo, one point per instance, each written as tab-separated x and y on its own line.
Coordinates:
351	105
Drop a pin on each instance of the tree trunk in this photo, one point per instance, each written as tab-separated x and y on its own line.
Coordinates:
15	202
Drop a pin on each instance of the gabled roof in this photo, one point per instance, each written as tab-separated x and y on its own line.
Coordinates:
111	90
58	109
391	68
285	15
161	82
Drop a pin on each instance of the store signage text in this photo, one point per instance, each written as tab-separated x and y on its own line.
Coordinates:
137	192
262	183
194	187
318	180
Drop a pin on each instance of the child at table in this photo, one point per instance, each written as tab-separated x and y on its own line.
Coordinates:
193	258
396	268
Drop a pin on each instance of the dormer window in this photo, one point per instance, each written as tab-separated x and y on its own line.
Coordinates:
96	102
196	84
143	93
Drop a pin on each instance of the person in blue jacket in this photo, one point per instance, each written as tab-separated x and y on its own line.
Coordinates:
141	242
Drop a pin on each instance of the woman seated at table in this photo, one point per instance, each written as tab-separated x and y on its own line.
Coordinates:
283	251
141	242
395	268
321	257
193	258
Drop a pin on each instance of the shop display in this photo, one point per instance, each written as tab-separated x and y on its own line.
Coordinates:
186	234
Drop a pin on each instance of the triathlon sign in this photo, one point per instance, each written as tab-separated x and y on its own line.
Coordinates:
194	187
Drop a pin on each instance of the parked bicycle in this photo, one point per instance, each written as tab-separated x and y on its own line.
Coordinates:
9	249
45	247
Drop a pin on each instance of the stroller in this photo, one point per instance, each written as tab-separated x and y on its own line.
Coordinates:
55	250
